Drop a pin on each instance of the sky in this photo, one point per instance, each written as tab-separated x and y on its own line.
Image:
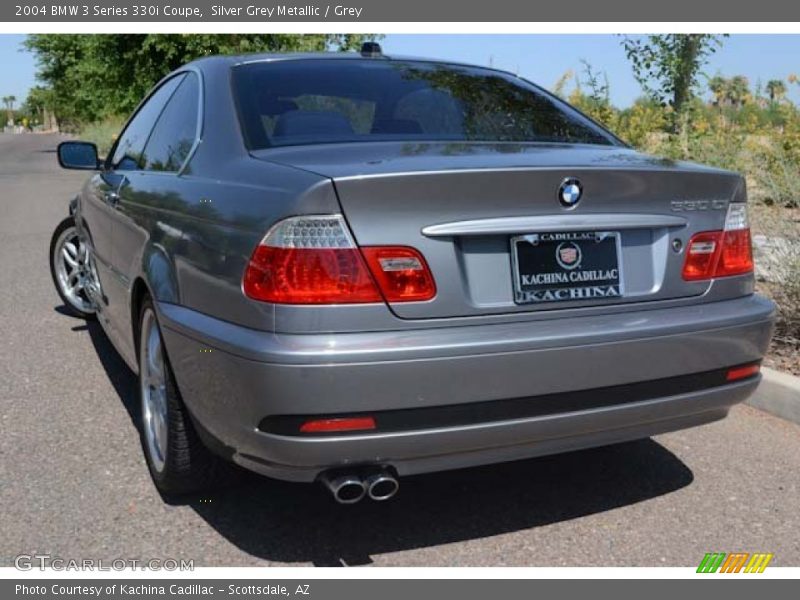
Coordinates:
540	58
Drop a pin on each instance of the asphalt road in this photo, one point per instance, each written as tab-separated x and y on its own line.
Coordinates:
73	482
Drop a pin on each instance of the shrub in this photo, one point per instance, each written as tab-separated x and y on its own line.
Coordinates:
103	133
777	167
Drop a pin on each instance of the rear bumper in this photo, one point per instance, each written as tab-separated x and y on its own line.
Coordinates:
248	375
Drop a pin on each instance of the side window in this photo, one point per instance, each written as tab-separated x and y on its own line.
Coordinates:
175	130
128	152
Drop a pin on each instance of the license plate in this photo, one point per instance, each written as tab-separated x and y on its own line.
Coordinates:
557	267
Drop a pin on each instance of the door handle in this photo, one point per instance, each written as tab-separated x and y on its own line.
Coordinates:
113	196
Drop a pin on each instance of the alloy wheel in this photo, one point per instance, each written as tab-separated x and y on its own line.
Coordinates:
73	271
153	383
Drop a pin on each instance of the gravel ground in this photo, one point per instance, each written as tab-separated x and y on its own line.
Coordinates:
73	481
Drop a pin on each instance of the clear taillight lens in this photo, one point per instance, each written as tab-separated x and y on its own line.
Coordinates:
721	253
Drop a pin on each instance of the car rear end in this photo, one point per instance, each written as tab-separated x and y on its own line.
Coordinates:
470	300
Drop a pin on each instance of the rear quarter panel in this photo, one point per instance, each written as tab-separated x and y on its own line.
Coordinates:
190	237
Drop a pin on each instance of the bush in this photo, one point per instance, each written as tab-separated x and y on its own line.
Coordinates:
777	167
103	133
640	124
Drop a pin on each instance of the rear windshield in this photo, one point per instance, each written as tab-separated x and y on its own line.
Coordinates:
313	101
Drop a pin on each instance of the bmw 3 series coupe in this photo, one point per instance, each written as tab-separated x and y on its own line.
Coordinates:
351	268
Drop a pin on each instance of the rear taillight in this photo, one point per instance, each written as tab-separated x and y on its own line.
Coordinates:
314	260
309	260
721	253
702	254
736	255
401	272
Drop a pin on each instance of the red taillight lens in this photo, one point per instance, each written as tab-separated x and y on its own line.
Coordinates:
309	276
742	372
721	253
702	254
737	254
314	260
309	260
401	272
338	424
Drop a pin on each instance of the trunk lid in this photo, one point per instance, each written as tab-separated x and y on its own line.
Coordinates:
462	205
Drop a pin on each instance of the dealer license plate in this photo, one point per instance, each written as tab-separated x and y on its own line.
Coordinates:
557	267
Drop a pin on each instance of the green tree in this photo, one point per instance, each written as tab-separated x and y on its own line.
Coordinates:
95	76
718	85
667	66
8	102
561	84
776	89
597	102
738	91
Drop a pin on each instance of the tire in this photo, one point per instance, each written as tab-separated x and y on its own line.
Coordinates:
178	461
70	269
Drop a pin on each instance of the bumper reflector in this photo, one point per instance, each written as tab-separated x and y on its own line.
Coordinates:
742	372
338	424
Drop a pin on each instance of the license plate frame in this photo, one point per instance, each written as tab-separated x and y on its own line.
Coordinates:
549	286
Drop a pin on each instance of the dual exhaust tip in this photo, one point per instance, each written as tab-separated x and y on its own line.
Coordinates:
349	488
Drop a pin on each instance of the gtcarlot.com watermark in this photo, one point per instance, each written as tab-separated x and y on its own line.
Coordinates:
29	562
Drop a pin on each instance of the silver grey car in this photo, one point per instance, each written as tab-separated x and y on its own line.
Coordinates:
351	268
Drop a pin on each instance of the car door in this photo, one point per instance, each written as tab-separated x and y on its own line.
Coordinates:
125	159
151	198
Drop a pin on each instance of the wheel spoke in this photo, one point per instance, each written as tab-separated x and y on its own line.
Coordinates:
155	380
71	249
70	259
153	355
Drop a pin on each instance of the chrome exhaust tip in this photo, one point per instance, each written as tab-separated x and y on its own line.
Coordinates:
381	486
346	489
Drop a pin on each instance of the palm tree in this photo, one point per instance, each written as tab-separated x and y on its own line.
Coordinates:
776	89
738	91
9	104
718	86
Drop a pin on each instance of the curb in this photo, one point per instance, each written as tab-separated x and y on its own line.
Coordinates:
778	394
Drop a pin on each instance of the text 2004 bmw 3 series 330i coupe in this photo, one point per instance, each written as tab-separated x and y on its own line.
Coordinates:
352	268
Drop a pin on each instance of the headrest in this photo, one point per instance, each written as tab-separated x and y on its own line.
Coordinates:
312	123
272	106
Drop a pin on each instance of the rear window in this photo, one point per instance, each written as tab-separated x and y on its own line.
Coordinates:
296	102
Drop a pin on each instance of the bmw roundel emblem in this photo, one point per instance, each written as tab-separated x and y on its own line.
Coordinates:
570	192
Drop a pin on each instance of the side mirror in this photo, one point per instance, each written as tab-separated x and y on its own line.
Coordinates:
78	155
